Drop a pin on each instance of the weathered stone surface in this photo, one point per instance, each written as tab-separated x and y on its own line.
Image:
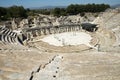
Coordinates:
36	60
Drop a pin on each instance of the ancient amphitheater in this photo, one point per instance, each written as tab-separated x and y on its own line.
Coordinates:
79	48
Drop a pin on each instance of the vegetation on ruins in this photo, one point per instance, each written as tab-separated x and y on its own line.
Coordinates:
73	9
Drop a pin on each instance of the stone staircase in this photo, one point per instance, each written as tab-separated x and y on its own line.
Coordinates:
8	36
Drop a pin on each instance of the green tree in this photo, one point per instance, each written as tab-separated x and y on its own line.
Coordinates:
3	12
56	12
17	11
71	10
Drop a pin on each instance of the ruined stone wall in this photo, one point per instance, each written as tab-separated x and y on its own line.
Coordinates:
39	31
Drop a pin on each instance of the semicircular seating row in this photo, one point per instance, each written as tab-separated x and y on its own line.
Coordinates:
7	35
